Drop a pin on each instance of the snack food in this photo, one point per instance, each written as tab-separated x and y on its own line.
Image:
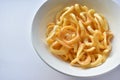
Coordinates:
80	36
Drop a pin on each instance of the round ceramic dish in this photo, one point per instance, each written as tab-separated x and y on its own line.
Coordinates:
46	14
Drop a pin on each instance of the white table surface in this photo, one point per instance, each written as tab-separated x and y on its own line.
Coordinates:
18	60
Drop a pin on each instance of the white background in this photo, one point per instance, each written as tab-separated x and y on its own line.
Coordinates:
18	60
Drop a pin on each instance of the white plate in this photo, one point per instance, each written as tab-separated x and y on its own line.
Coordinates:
46	14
